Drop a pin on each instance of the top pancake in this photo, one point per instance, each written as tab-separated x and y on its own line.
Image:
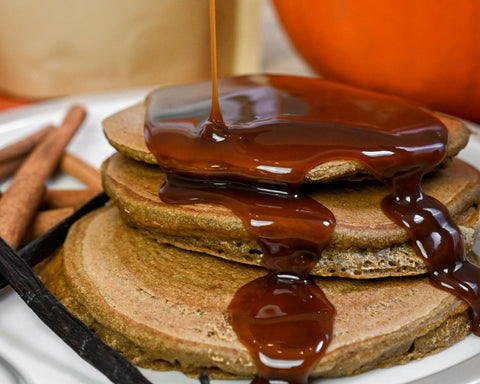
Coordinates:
125	132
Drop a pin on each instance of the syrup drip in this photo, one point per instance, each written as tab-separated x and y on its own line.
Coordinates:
292	228
436	237
253	156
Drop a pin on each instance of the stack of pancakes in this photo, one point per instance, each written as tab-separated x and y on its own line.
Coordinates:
154	280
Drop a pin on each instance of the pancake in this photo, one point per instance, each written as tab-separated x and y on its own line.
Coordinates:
165	308
125	132
365	243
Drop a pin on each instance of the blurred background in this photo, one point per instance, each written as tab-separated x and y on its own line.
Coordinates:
425	51
54	48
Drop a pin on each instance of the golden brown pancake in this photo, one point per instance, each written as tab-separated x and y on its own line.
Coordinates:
365	242
163	307
124	131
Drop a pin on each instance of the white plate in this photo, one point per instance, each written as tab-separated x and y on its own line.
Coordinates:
29	345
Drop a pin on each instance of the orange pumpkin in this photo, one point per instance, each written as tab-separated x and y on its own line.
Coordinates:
424	50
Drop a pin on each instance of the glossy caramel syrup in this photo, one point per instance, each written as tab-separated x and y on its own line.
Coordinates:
252	156
279	127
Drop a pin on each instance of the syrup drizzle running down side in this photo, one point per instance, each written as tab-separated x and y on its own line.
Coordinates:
253	156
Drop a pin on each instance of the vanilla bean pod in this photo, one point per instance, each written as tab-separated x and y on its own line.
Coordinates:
204	379
71	330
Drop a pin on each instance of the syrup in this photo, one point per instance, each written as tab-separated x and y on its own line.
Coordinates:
250	146
278	128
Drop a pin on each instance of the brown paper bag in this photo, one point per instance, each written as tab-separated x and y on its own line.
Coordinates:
57	47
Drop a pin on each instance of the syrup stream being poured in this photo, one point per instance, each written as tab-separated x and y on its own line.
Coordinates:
214	129
253	157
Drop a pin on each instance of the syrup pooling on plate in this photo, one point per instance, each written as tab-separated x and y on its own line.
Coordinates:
276	129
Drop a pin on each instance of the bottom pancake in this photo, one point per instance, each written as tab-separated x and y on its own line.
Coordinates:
166	308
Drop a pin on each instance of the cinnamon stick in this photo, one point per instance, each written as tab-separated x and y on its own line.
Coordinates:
23	147
45	220
81	171
8	167
21	200
62	198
